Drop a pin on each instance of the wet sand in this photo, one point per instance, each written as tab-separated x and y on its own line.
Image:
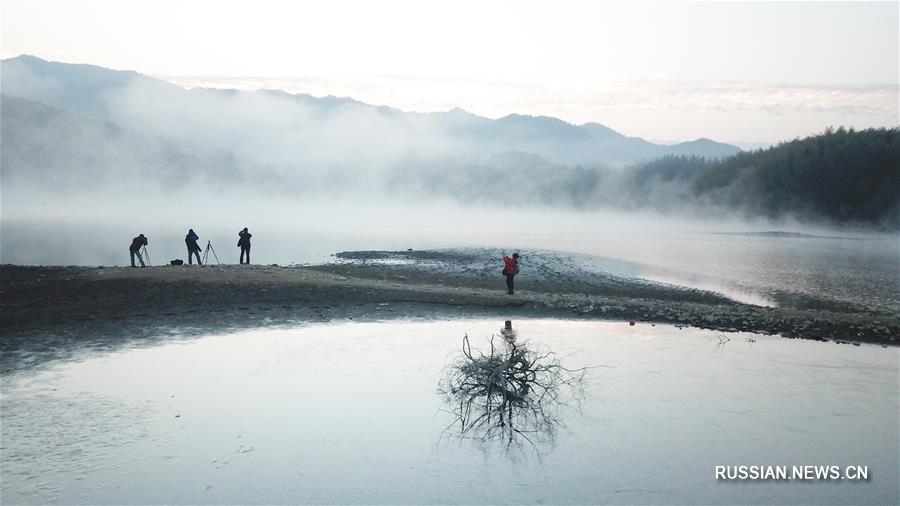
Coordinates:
55	312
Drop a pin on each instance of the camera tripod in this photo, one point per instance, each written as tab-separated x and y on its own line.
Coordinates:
146	256
206	253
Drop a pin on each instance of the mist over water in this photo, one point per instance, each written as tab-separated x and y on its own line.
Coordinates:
711	255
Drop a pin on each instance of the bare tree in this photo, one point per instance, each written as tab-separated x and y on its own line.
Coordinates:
508	393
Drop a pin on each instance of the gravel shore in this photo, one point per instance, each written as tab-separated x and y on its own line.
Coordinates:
54	312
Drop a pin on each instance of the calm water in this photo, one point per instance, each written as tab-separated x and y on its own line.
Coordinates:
350	413
758	269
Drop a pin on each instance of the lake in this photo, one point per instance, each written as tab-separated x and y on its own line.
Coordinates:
351	413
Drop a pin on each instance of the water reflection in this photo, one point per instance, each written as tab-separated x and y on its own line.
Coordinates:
512	394
346	413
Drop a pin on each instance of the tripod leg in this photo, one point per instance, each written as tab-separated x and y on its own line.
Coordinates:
214	254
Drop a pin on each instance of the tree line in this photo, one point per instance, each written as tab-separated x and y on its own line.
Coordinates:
842	176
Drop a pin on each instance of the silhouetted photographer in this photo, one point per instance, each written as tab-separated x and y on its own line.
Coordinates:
135	249
193	248
244	244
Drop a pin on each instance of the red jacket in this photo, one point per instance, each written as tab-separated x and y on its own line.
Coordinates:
512	265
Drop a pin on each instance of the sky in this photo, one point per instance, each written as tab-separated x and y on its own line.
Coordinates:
748	72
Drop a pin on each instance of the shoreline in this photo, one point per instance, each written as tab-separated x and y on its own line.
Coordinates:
53	312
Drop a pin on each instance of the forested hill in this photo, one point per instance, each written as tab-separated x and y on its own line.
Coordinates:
843	176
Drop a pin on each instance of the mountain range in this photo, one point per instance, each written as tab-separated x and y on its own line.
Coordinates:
157	108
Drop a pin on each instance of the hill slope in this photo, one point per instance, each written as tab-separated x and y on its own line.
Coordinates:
51	150
842	175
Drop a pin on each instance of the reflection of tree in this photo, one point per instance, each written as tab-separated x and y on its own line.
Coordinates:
511	392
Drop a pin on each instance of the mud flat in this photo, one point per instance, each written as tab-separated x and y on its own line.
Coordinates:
53	312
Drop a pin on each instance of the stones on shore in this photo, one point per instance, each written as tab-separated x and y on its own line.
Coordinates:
809	324
359	296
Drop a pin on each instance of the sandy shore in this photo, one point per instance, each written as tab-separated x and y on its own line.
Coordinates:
51	312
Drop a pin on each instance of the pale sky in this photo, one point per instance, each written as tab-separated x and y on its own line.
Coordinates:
760	71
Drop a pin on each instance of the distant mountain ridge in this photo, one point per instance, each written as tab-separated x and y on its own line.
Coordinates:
96	93
838	177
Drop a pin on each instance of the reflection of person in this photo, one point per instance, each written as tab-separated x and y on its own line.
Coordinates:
244	243
135	249
510	271
193	248
508	332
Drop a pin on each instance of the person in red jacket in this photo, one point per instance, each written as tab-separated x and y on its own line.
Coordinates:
510	271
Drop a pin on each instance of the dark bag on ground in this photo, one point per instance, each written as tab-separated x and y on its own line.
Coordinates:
177	261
